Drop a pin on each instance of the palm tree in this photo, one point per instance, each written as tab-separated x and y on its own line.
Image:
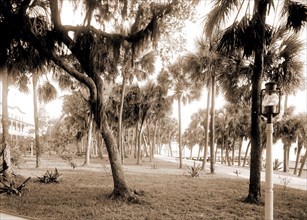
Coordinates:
286	130
194	134
173	78
239	35
5	148
139	69
301	140
168	132
200	66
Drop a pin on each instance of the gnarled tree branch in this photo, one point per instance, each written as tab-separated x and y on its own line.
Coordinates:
77	75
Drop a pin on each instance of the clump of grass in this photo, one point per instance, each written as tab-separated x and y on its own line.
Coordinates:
50	177
277	164
13	185
10	187
194	170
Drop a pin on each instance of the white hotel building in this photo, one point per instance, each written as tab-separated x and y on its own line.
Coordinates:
20	125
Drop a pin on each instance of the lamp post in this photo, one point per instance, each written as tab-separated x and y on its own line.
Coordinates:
270	107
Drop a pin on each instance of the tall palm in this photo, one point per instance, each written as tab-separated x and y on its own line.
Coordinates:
5	148
42	92
286	130
239	35
140	69
168	132
301	137
174	79
203	67
194	134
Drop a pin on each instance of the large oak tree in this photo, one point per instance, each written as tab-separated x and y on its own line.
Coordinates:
87	53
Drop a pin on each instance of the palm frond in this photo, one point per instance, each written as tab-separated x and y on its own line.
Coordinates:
22	83
239	35
221	10
47	92
64	81
147	62
296	14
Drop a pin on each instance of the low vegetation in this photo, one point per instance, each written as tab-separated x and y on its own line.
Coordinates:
167	192
50	176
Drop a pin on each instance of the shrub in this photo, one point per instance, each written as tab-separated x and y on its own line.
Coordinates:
277	165
10	186
194	170
50	177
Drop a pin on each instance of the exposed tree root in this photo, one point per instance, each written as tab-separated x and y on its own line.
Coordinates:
253	200
129	196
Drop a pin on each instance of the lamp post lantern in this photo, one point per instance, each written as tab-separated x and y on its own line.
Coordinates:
270	107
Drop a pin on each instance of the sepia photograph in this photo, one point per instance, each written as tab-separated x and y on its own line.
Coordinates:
153	109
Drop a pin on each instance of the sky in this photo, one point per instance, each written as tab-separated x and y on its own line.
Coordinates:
193	30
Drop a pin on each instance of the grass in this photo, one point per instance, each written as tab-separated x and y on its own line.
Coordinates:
82	193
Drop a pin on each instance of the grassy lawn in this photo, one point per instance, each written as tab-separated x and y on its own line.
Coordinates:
169	193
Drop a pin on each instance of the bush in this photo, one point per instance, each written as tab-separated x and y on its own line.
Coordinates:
50	177
194	170
277	165
10	186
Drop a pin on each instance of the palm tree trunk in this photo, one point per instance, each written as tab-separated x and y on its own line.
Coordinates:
303	164
212	124
5	147
233	152
138	156
36	122
136	140
122	98
179	136
222	152
298	155
285	164
89	141
288	157
246	153
170	149
154	140
240	149
254	192
227	155
206	130
199	150
148	149
215	154
146	144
